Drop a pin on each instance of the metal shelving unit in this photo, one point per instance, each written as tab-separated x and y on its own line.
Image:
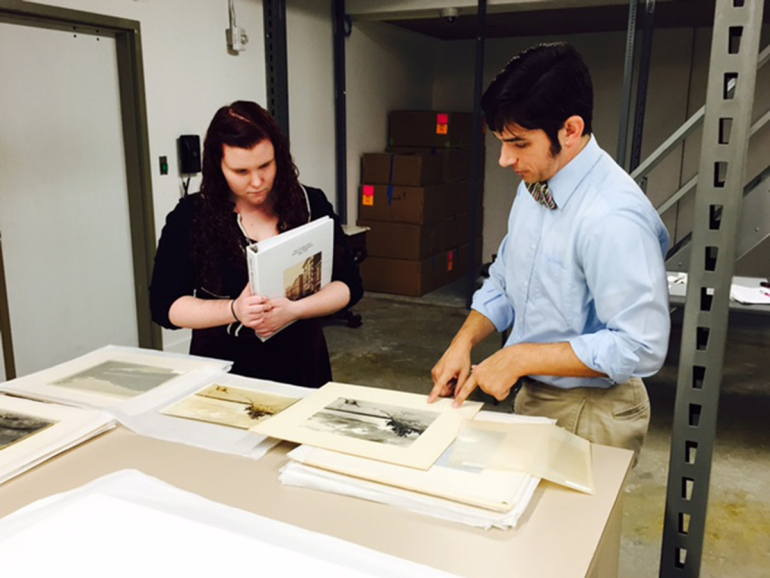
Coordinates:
719	196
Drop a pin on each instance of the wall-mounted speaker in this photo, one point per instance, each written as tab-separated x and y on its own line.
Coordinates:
189	148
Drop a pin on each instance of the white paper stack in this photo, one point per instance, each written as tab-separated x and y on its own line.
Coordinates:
474	496
32	432
129	524
750	295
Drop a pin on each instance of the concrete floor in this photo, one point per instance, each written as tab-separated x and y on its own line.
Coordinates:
401	339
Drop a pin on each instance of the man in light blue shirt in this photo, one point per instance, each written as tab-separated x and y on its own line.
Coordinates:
580	276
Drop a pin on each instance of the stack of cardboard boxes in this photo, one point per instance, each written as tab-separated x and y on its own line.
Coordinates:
416	200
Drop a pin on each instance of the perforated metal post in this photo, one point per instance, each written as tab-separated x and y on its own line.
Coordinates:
340	109
276	62
726	129
645	59
477	147
628	79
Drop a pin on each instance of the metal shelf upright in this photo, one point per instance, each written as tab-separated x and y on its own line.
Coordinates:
719	195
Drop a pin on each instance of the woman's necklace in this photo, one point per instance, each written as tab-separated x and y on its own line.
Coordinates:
238	218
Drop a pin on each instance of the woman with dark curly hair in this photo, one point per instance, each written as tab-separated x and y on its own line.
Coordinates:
250	192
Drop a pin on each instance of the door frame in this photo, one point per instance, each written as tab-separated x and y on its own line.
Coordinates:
136	143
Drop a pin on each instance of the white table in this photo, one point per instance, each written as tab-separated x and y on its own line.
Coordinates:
677	293
564	533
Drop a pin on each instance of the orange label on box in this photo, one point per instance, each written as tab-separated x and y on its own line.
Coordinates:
368	198
442	129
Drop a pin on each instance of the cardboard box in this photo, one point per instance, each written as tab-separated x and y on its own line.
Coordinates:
412	169
408	128
412	278
403	240
455	162
400	204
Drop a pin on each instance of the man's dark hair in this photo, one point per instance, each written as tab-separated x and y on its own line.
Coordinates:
541	88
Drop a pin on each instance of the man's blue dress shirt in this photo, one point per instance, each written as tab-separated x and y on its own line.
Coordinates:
590	272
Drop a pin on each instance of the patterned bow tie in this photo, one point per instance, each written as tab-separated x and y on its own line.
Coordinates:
542	194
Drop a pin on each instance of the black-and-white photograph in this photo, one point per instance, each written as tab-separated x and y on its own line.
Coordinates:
374	422
118	378
15	427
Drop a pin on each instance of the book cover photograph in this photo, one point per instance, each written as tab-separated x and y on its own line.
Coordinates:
304	278
229	406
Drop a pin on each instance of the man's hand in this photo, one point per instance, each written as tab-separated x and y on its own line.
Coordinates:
496	375
279	313
451	371
499	372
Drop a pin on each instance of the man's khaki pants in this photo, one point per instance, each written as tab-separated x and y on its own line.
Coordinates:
617	416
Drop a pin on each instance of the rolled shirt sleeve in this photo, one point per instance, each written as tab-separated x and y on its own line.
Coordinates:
626	276
491	299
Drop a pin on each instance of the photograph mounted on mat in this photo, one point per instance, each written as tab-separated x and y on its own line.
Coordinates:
389	426
118	378
112	376
229	406
32	432
15	427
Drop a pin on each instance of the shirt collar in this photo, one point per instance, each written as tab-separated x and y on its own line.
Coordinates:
566	181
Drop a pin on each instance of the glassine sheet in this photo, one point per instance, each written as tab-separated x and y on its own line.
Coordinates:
379	424
542	450
129	524
32	432
154	423
113	376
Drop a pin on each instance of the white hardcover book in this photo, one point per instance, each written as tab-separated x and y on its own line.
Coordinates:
294	264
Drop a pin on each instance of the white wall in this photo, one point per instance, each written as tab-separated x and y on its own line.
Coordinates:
189	74
387	69
311	92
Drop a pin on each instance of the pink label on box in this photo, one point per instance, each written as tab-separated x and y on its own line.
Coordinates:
442	118
368	199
